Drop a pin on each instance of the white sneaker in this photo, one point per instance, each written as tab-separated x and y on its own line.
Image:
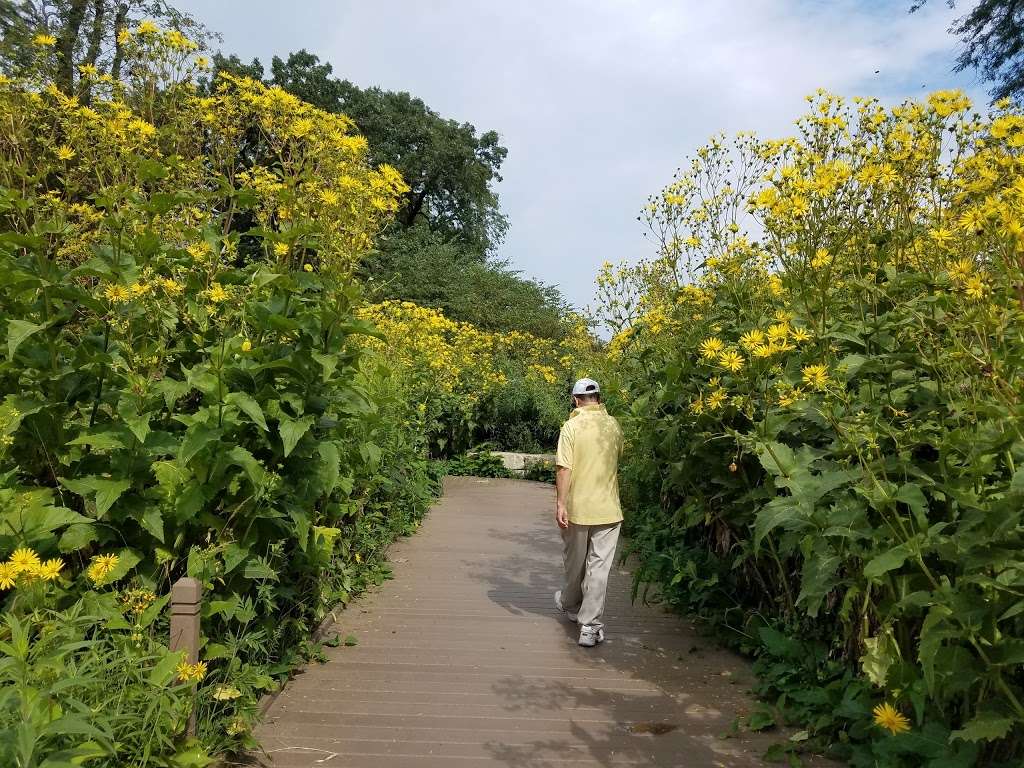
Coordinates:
559	606
589	637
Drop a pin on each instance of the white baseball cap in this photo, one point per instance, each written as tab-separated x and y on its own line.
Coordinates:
586	387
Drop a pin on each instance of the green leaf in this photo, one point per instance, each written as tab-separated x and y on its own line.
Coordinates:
328	362
880	653
163	671
106	492
17	332
248	462
247	405
351	641
197	438
986	726
153	521
292	431
258	568
889	560
137	422
103	441
912	495
77	536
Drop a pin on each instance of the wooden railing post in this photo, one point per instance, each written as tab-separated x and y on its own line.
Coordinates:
186	597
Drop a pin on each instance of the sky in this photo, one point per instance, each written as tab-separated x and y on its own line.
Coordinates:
598	102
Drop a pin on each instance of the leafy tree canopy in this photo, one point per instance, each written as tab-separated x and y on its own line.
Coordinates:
418	265
449	167
993	43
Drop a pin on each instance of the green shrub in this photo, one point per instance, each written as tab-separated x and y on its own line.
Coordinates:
481	463
825	438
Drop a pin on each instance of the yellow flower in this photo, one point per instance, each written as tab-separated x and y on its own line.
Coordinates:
762	350
116	294
888	717
816	376
50	570
198	250
194	672
101	567
247	346
359	558
975	288
64	152
717	399
7	575
751	339
697	406
44	40
217	293
731	360
173	287
801	334
24	560
280	249
88	70
778	332
147	27
308	267
710	348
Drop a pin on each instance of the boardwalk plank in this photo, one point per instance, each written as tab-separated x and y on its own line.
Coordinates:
462	659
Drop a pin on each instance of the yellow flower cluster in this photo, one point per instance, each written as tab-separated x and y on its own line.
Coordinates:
24	566
446	356
101	567
191	673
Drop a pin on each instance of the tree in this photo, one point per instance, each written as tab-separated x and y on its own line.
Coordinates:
993	38
87	34
449	168
418	265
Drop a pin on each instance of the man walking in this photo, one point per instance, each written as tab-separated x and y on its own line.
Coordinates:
587	508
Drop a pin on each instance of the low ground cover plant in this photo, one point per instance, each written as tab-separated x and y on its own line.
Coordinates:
823	368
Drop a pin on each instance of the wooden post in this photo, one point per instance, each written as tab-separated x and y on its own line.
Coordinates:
186	597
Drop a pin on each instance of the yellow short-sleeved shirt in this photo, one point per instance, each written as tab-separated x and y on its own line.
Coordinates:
590	445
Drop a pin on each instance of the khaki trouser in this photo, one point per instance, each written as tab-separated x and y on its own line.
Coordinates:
588	554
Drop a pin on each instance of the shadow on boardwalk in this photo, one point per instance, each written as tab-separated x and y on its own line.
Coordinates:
463	660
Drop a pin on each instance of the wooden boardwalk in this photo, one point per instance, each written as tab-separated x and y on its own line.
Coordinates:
462	660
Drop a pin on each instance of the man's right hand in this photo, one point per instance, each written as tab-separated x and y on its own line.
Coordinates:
561	517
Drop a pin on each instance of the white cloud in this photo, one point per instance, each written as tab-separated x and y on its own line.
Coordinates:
599	101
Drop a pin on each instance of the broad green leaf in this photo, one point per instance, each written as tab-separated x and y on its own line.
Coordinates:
912	495
17	332
292	430
985	726
249	407
105	492
880	653
103	441
887	561
248	462
137	422
153	521
164	670
197	437
77	536
328	362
